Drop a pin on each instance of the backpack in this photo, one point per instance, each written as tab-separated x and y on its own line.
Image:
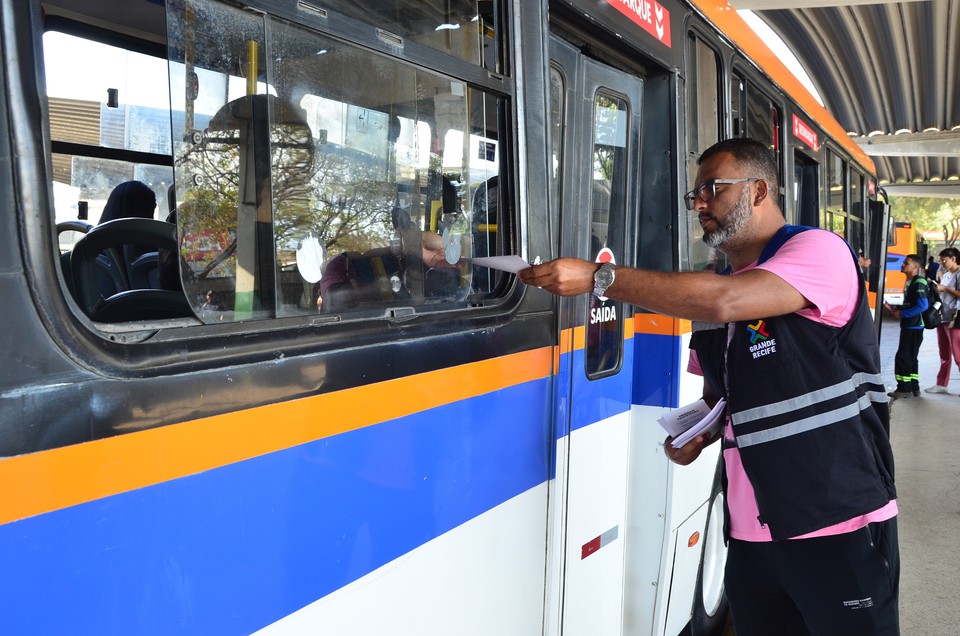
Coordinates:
933	314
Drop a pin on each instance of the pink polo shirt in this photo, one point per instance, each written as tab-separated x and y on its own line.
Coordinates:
834	299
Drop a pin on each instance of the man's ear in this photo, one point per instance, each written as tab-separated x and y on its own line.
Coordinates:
762	192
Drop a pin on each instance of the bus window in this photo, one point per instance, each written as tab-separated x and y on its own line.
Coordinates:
763	120
558	89
703	130
756	116
856	231
703	97
836	194
466	29
311	192
806	190
858	194
608	205
104	102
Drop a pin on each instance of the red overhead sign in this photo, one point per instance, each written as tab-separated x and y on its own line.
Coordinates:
649	15
805	133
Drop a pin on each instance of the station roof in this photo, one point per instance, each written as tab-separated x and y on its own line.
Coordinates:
888	72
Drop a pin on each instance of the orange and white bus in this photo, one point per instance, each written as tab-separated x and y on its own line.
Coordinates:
904	240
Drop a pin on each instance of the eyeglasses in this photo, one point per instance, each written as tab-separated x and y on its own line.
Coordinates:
708	189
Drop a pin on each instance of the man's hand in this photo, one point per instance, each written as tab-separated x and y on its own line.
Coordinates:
433	252
562	276
688	452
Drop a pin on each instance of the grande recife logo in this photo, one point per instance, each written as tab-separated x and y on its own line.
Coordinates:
761	342
649	15
757	331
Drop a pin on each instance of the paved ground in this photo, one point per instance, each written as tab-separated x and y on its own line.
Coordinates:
926	445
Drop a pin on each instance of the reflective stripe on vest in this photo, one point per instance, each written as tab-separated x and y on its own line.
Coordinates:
846	387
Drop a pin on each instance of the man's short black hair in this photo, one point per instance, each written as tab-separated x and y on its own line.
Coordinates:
948	252
754	155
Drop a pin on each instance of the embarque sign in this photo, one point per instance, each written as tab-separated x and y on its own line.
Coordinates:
649	15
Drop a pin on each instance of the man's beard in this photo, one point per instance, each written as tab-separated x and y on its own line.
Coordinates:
735	221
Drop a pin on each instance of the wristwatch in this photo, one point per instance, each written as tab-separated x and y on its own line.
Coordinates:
603	278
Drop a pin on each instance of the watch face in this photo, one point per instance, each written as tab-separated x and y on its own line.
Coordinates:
604	276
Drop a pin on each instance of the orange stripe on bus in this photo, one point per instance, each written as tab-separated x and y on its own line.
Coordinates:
732	25
660	325
41	482
579	338
567	341
576	338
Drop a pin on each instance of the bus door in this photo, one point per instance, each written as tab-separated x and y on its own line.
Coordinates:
595	135
806	190
878	234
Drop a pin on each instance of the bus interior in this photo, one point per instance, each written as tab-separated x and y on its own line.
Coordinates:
330	222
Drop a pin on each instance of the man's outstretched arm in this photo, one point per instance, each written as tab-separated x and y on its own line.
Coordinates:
695	295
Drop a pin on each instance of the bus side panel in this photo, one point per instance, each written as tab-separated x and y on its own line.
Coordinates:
663	497
596	453
625	501
233	549
483	577
655	382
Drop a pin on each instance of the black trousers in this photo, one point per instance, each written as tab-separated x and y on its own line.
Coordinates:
905	365
842	585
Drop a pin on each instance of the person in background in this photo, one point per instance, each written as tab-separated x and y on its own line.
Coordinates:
931	271
212	302
792	348
948	339
905	365
129	199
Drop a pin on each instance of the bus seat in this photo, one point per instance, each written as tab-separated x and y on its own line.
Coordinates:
144	271
67	227
110	273
73	226
95	283
141	304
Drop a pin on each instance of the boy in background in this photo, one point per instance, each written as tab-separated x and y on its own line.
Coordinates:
915	302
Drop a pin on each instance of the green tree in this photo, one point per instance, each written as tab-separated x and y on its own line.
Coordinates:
930	214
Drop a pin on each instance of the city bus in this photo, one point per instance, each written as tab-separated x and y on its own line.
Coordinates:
904	240
306	392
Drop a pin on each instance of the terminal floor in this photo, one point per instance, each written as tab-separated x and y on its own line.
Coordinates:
926	446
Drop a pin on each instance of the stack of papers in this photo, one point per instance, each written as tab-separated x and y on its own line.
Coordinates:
692	420
512	264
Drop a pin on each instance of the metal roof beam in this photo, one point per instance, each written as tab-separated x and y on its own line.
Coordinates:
923	144
936	189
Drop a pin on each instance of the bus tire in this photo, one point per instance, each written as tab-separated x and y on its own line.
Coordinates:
710	606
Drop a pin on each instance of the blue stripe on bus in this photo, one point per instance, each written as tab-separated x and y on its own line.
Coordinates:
231	550
596	400
657	372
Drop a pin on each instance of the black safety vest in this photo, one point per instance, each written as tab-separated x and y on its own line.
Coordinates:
809	412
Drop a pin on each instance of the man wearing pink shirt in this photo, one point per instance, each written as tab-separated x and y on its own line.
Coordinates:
791	347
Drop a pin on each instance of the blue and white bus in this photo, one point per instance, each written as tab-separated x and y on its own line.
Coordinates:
296	399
